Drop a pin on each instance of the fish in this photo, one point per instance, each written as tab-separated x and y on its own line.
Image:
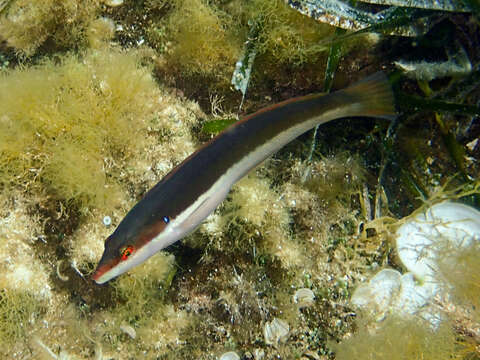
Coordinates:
180	201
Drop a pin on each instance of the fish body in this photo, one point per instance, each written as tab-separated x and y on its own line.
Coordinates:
177	204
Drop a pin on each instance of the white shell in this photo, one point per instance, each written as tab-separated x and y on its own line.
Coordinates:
231	355
275	331
389	291
412	296
304	297
258	354
113	3
377	294
130	331
442	226
107	221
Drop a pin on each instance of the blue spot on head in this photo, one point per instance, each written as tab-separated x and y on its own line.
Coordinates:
166	219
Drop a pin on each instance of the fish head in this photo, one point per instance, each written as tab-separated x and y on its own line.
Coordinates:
125	249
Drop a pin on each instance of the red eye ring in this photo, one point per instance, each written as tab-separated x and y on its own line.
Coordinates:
127	251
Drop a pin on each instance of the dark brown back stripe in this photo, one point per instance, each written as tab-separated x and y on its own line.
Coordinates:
197	174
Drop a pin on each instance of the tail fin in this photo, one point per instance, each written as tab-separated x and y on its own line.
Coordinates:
374	97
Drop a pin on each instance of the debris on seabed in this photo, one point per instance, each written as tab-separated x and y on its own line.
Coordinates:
113	3
443	5
130	331
304	297
276	331
231	355
243	67
390	292
59	274
335	13
472	144
458	65
259	354
107	221
423	238
48	353
340	14
241	74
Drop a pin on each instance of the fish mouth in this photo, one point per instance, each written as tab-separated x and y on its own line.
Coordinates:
103	273
97	276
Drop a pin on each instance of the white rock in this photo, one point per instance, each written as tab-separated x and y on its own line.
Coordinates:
385	285
447	225
390	292
414	297
362	296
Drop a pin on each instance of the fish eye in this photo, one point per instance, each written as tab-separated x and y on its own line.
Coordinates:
166	219
126	251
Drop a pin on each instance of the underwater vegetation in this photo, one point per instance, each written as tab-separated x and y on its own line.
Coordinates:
64	123
100	99
25	293
26	26
208	46
399	339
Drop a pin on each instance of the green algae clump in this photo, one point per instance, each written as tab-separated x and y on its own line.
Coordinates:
399	339
459	269
17	308
25	292
27	25
286	36
143	305
65	125
201	40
